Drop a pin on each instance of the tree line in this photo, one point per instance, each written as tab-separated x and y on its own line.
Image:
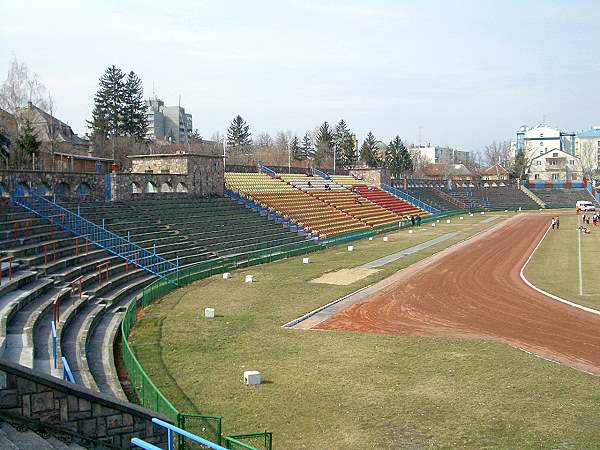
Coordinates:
331	146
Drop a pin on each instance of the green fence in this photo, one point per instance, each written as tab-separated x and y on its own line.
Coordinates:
208	427
260	441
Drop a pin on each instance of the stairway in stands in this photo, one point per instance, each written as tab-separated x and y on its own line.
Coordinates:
563	197
17	437
47	261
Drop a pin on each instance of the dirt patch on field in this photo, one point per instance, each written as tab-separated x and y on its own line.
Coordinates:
475	291
344	277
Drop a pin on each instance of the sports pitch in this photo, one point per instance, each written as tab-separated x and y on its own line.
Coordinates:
356	390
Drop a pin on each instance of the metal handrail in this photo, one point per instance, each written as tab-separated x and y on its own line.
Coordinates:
99	235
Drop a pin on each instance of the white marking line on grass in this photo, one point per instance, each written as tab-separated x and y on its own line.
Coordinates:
548	294
580	271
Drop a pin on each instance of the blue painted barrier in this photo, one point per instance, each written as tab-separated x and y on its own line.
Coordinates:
97	234
54	350
321	174
67	374
172	430
409	198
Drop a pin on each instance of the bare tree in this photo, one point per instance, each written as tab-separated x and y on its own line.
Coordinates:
217	136
498	153
588	158
420	160
22	86
263	140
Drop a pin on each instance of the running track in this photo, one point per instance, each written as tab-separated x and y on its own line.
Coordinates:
474	290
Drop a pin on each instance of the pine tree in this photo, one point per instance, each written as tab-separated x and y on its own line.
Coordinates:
307	146
520	165
135	119
324	144
297	152
27	145
368	151
344	144
394	157
238	133
107	116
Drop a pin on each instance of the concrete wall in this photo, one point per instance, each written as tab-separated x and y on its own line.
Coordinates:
373	176
56	404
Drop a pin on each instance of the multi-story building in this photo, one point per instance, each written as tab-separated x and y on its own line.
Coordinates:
554	165
169	123
587	149
538	140
439	155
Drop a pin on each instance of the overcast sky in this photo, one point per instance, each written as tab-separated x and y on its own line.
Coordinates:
464	72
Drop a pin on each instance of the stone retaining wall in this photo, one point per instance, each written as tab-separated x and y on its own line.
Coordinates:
44	400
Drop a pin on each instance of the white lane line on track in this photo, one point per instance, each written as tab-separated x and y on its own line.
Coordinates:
580	271
548	294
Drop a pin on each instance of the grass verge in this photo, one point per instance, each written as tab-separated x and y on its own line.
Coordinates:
355	390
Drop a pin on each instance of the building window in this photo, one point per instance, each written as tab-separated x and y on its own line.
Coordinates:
536	176
541	135
555	176
165	170
541	144
555	155
572	162
538	162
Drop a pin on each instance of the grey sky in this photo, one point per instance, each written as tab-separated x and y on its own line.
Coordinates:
467	72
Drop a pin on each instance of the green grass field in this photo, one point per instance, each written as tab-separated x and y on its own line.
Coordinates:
555	265
339	390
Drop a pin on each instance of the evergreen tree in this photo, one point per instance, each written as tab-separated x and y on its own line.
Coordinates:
368	151
324	144
107	116
307	146
238	133
296	149
397	158
344	144
27	145
135	119
520	165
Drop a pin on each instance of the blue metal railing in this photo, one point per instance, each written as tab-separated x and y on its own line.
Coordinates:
249	203
409	198
54	350
98	235
265	169
321	174
67	374
171	430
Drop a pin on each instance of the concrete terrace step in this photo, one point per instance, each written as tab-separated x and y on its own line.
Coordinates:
24	440
11	301
20	278
19	329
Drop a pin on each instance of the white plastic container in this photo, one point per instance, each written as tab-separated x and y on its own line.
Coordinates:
226	275
249	279
252	377
305	260
351	248
209	313
385	239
